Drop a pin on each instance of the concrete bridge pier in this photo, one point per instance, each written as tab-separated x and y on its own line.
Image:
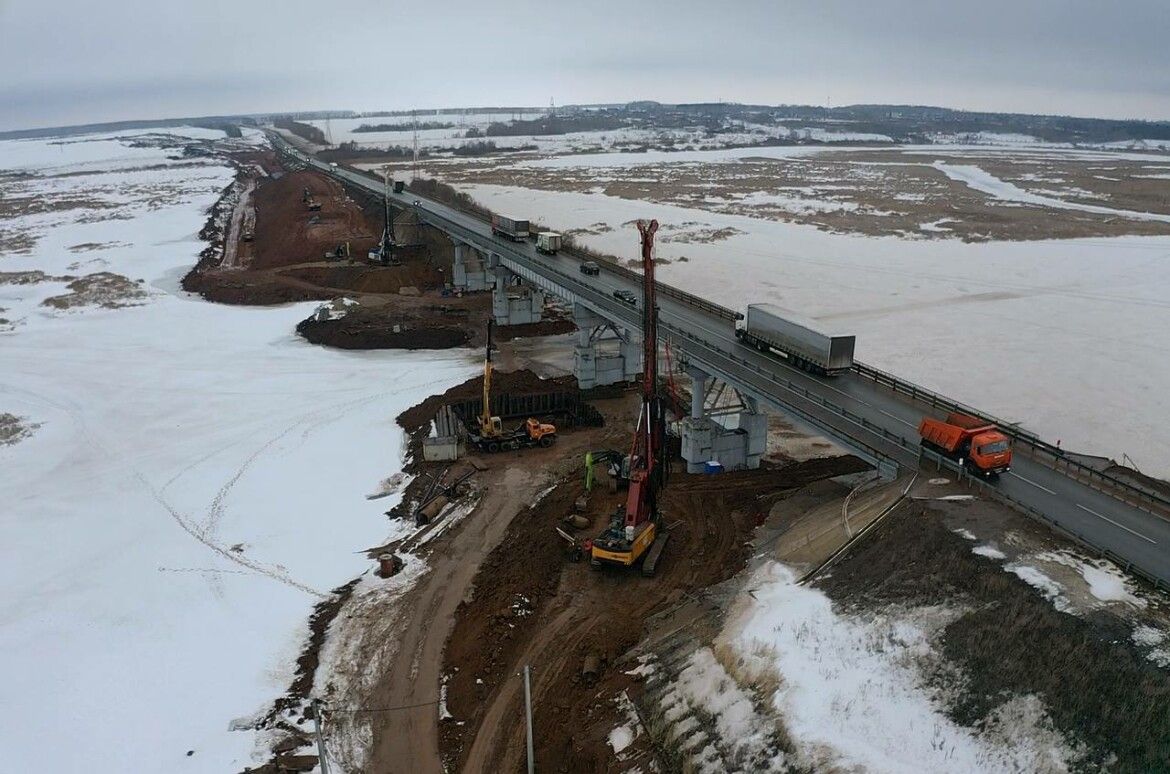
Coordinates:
733	435
630	349
596	361
468	268
512	302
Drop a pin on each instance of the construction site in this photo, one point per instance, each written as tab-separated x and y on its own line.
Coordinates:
564	573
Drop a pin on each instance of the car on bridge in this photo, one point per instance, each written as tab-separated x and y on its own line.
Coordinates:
625	296
590	268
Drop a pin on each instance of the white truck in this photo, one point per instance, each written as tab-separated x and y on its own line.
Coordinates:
805	343
548	242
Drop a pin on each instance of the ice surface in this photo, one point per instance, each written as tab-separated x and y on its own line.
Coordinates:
984	182
1065	317
196	486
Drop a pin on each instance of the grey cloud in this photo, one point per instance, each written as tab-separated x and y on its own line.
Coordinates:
76	61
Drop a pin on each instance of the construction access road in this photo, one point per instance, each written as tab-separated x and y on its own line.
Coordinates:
876	423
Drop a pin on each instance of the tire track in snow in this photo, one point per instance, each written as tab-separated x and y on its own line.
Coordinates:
280	575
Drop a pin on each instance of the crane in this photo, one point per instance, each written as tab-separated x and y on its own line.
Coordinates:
634	530
489	434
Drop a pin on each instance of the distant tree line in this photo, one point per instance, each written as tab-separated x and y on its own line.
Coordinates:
586	121
403	127
304	131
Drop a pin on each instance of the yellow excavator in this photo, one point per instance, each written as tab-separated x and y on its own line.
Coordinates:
490	435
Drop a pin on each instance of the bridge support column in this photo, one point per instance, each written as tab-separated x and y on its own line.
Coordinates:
513	303
459	266
596	361
738	442
630	349
468	268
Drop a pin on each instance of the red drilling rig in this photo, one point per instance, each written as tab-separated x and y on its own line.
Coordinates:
635	529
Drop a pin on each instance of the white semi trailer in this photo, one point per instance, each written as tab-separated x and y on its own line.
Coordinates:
805	343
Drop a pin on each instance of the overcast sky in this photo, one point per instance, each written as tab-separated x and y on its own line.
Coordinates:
79	61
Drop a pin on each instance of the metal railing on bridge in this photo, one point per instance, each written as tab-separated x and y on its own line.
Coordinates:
996	493
1126	491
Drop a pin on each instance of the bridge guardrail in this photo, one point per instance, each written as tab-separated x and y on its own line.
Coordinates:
1118	488
985	486
668	290
856	419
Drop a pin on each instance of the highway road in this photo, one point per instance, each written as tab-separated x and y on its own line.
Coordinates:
871	419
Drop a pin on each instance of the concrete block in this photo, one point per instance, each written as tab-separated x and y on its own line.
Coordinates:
441	449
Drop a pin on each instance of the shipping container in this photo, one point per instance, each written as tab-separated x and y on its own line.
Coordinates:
516	230
806	344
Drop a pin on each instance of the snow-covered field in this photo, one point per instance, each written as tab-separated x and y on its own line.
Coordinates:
1067	337
341	130
192	485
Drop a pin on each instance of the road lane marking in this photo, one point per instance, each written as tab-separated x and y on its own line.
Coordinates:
903	421
1038	486
1114	523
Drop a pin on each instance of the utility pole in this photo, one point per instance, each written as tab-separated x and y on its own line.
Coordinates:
321	737
414	171
528	719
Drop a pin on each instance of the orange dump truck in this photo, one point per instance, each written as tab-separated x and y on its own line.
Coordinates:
972	441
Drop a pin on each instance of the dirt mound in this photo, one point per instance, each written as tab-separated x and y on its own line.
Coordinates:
365	330
288	233
369	279
14	429
524	382
250	288
531	605
1140	479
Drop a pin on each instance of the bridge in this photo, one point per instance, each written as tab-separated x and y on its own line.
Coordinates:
872	413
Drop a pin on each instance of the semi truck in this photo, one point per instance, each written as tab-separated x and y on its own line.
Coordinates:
516	230
976	443
806	345
548	242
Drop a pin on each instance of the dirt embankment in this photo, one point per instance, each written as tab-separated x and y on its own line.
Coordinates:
269	236
1098	687
422	324
534	606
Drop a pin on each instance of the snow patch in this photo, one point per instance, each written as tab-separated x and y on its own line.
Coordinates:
851	694
989	551
1051	590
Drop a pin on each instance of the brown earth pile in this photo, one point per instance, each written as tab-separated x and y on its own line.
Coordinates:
531	605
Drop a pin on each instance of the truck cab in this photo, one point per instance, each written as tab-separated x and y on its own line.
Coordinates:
991	451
